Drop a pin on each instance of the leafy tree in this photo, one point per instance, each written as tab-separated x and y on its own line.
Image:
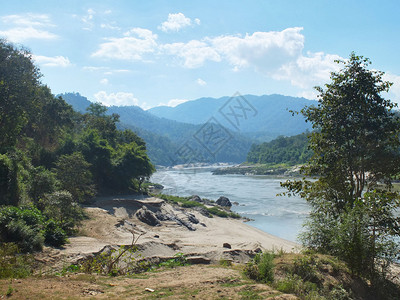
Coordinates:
131	164
356	153
19	78
73	173
63	210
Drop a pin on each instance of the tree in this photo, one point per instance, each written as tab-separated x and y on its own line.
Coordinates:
19	78
74	176
356	154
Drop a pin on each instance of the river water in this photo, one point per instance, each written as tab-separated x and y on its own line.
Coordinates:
256	195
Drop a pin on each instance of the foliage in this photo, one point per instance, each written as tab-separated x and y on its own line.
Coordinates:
54	157
290	150
72	171
22	227
355	155
9	184
261	268
61	207
185	202
54	235
12	263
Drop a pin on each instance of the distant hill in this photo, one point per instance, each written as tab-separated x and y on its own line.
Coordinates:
291	150
171	142
267	116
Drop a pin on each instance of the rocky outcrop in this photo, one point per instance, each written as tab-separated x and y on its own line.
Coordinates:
172	217
224	201
147	216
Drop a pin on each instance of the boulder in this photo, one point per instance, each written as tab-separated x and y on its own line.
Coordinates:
227	245
147	216
192	218
224	201
196	198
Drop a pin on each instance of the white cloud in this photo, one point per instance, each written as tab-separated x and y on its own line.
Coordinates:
176	22
265	51
88	19
27	26
104	81
201	82
109	26
193	53
117	99
56	61
132	46
308	71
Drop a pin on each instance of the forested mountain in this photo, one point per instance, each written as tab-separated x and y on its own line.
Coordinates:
170	142
265	117
289	150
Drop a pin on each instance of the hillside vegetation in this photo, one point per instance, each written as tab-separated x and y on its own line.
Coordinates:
53	158
288	150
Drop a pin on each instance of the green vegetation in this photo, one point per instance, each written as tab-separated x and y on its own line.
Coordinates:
315	276
12	263
185	202
52	158
355	153
287	150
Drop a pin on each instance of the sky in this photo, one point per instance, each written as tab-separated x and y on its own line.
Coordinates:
151	53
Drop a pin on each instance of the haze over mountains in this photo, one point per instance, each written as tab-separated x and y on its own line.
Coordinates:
208	129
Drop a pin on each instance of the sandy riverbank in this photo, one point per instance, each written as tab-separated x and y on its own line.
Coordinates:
112	220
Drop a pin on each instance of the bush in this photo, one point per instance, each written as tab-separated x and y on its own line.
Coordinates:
54	235
261	268
61	207
13	264
27	228
22	226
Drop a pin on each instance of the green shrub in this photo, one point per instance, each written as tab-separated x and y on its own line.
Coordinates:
61	207
261	268
54	235
22	226
13	264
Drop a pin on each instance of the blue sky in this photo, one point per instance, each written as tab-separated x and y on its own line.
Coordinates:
151	53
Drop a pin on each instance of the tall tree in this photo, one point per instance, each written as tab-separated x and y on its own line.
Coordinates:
356	154
19	78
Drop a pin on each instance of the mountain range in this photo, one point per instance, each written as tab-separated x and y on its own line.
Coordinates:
208	129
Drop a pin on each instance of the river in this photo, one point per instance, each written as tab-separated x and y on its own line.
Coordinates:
256	195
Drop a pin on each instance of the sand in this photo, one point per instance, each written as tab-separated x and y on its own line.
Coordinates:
112	221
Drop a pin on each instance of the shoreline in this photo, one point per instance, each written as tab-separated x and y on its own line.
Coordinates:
113	219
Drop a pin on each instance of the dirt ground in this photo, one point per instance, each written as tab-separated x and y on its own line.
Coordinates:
188	282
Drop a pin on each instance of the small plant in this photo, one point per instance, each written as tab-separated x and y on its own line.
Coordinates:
10	290
178	260
225	263
261	268
306	268
113	262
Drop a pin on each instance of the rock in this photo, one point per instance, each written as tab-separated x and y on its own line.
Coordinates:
198	260
157	236
161	216
203	211
192	218
171	217
196	198
224	201
227	245
147	216
235	203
